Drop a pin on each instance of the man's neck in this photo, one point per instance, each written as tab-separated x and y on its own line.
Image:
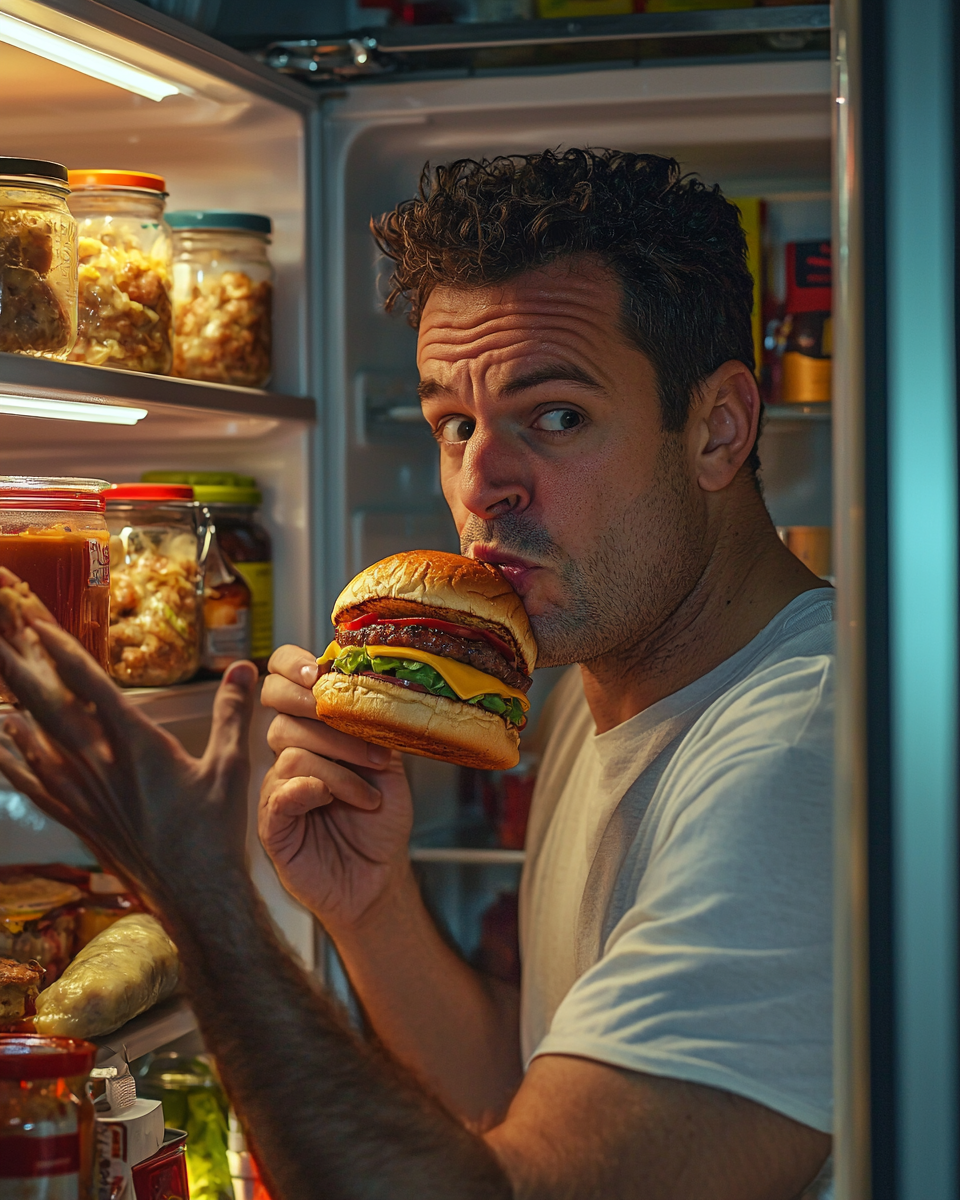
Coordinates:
750	577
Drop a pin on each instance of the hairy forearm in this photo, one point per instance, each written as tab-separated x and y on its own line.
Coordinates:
454	1028
329	1115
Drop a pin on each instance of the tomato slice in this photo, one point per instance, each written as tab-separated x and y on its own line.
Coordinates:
464	631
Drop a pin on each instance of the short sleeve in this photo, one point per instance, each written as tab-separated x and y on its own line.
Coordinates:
721	971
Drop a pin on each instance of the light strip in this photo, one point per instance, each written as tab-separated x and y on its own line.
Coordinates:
71	410
81	58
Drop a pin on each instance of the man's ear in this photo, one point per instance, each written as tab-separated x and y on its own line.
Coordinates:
724	423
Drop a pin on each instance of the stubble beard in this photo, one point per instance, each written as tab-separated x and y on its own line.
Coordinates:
626	588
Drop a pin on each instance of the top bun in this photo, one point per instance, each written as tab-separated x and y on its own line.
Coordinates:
456	589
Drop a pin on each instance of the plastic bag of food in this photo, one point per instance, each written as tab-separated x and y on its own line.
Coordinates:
124	971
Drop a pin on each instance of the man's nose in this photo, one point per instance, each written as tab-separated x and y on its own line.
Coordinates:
492	480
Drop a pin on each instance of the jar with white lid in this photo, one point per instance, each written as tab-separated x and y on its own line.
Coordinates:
125	310
222	297
38	259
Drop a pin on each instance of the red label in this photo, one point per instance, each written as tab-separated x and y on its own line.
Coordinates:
29	1157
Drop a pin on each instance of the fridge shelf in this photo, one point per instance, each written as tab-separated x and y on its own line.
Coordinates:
473	856
155	1028
182	702
799	412
23	376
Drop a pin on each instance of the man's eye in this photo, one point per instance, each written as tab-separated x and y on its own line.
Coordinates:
557	420
456	429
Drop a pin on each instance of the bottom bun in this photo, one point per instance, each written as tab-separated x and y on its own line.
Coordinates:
416	722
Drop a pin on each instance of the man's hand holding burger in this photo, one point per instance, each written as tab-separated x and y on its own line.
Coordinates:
335	811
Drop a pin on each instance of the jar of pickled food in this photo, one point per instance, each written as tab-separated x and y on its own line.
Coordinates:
38	259
158	547
47	1132
53	535
226	610
233	502
125	312
222	297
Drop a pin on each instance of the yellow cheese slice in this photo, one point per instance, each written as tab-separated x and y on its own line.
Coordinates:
466	681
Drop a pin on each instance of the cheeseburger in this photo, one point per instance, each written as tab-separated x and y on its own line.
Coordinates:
432	656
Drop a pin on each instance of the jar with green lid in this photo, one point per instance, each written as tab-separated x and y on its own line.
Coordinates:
233	502
222	297
38	259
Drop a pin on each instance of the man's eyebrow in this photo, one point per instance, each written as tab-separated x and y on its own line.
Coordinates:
553	373
427	389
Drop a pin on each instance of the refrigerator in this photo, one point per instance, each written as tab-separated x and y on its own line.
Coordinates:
851	143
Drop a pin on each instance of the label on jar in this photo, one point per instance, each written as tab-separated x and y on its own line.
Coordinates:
99	563
258	577
229	641
25	1160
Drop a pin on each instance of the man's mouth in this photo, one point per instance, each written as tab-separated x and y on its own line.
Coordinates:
517	571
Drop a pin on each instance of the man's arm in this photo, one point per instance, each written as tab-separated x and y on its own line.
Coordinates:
330	1115
335	816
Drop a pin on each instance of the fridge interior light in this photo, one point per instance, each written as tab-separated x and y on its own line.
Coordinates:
69	53
71	410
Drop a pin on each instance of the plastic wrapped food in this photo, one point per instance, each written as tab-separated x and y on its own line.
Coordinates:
125	314
124	971
223	331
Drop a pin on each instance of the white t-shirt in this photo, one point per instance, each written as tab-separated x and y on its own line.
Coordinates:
675	911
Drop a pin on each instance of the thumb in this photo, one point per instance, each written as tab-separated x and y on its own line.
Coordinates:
232	710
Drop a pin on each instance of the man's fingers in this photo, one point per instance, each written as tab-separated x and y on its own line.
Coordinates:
346	785
232	712
296	664
288	697
319	738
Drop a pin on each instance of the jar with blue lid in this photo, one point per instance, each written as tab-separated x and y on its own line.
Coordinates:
222	297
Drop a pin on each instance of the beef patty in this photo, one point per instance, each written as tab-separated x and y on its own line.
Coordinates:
434	641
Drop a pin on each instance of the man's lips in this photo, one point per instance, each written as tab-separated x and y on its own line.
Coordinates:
517	571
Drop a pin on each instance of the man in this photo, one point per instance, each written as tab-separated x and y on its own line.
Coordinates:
585	354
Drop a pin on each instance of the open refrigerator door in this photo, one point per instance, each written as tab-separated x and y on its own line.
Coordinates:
355	477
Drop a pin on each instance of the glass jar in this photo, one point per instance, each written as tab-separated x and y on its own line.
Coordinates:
222	297
38	259
125	313
233	502
194	1100
53	535
46	1118
158	547
226	611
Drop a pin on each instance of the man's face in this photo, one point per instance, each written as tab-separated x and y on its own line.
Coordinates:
553	459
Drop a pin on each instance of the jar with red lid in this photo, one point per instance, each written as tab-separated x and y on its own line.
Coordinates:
158	544
53	535
123	247
47	1132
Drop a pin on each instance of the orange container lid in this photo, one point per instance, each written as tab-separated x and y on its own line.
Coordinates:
98	177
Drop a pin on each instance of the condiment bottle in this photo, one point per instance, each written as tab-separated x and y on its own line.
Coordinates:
53	535
806	333
47	1143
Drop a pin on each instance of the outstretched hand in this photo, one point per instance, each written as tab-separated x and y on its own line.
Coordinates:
87	757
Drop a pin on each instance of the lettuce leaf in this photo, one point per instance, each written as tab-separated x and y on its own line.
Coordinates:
352	659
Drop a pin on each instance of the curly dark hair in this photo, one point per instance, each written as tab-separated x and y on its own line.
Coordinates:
675	243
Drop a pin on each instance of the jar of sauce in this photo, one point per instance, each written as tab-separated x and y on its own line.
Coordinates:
53	534
46	1118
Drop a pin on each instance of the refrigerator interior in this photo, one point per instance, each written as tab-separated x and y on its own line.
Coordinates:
219	145
757	129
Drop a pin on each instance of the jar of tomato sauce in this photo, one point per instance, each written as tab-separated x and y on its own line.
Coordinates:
46	1118
53	534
